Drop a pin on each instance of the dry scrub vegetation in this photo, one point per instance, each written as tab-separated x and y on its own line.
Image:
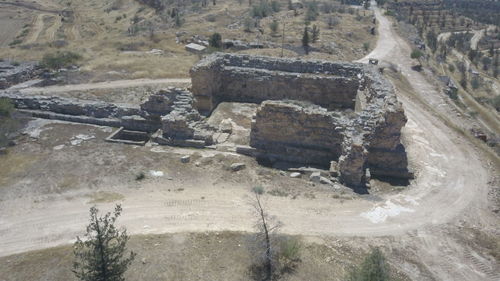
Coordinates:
115	37
192	256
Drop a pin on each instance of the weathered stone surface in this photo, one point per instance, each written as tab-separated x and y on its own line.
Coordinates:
14	73
324	180
295	175
315	177
334	169
296	132
302	127
352	164
237	166
245	78
185	159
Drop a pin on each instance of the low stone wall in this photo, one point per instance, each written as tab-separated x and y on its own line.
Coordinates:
14	73
243	78
154	114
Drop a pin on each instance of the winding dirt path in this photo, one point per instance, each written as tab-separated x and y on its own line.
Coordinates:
104	85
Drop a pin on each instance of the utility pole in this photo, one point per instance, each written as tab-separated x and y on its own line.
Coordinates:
283	38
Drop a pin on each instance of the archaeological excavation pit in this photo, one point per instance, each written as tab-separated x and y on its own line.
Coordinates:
128	137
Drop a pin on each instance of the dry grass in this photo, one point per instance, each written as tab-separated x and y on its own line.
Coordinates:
13	165
105	197
224	256
102	39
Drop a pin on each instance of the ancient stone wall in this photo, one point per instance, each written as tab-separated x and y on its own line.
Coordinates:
312	112
14	73
244	78
297	132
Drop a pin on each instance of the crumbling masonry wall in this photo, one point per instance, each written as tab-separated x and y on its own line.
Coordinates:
311	112
236	78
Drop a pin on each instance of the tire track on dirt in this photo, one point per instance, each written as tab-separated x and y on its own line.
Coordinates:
37	28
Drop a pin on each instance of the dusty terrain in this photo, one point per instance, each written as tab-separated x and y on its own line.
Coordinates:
440	227
100	32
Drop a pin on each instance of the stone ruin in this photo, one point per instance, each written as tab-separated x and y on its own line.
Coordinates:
12	73
339	116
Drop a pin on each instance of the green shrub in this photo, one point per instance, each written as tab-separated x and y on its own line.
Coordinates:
258	189
389	13
289	254
215	41
274	25
312	12
261	10
373	268
59	60
416	54
15	42
140	176
366	46
6	107
495	102
451	68
275	6
475	83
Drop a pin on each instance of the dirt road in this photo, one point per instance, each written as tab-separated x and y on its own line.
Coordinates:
104	85
451	183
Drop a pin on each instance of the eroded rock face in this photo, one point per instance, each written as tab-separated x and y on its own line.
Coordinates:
15	73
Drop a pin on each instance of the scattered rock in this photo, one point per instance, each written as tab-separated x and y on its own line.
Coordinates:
185	159
226	126
156	173
143	260
295	175
237	167
324	180
3	150
315	177
334	169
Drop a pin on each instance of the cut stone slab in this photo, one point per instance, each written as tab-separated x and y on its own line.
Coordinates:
237	167
195	48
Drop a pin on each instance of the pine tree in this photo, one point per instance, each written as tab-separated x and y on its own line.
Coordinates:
315	33
305	40
215	41
100	255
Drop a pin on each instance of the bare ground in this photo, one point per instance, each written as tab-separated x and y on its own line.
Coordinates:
436	220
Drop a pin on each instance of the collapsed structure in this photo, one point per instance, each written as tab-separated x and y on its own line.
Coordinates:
340	115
